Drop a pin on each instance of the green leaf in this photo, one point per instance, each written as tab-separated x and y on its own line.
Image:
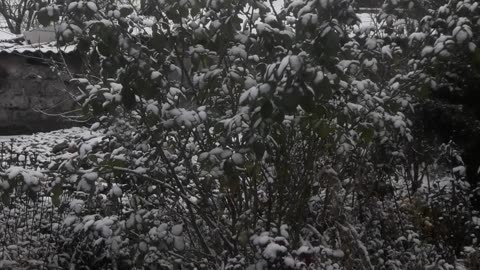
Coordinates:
43	18
367	134
323	129
267	109
125	11
5	198
158	42
424	92
258	149
56	192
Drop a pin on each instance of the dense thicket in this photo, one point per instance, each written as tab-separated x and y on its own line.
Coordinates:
233	135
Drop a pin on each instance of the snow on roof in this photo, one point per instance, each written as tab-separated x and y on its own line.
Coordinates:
51	47
4	35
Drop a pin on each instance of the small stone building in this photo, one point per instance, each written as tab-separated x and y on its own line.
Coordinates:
31	91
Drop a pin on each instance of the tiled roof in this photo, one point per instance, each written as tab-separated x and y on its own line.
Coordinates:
9	47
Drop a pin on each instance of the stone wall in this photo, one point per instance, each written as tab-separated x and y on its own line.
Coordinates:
27	84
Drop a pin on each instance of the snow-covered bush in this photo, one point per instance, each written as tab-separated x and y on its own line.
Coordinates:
234	135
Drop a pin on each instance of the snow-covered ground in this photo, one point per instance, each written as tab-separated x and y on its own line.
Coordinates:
42	143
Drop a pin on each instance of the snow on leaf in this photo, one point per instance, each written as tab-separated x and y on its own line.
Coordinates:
273	250
13	172
155	74
386	50
417	36
460	170
95	126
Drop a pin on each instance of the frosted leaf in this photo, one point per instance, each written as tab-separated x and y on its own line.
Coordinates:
371	43
395	86
400	239
226	154
175	91
177	229
249	83
289	261
95	126
179	243
84	149
472	46
283	65
399	123
4	185
140	170
130	221
203	156
324	3
295	63
155	74
283	231
319	77
461	36
116	87
427	50
77	205
325	31
216	151
460	170
91	176
238	159
68	221
244	97
444	54
83	185
88	224
253	93
148	22
343	84
72	6
106	232
151	108
50	11
338	253
117	191
92	6
418	36
14	171
262	240
386	50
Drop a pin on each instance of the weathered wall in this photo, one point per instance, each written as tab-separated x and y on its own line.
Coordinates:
27	84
